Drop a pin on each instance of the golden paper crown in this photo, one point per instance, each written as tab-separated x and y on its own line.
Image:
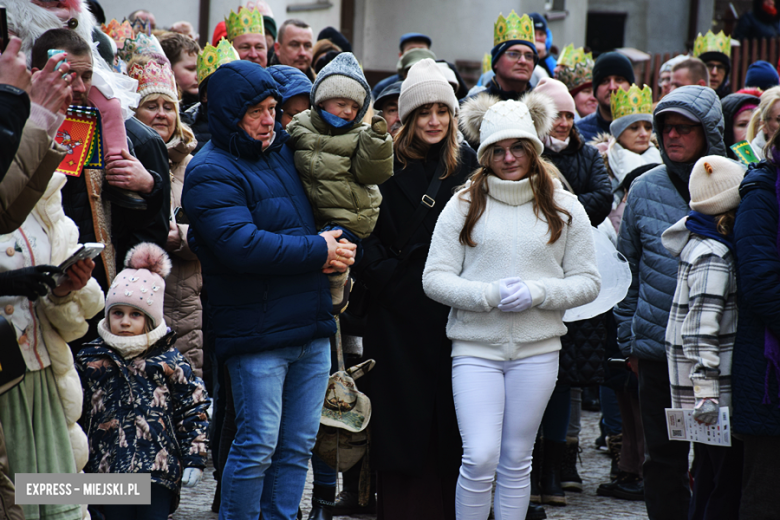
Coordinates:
487	63
154	78
119	32
631	101
211	58
247	21
712	43
513	27
569	57
140	45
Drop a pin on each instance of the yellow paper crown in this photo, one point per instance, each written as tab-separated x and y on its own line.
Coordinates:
487	63
569	57
247	21
712	43
211	58
513	27
632	101
119	32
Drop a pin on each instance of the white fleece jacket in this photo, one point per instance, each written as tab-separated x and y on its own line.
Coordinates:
511	241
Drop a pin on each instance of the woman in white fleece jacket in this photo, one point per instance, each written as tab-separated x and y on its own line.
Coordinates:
510	253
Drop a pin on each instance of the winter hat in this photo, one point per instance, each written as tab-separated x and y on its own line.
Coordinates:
448	73
761	74
714	184
540	24
425	84
342	77
335	37
269	24
531	118
612	64
141	283
411	57
558	92
392	90
413	36
292	82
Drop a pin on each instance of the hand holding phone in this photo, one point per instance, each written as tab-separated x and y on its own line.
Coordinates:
51	85
86	251
13	66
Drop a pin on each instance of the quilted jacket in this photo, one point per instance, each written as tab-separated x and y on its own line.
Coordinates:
653	205
758	298
252	228
143	415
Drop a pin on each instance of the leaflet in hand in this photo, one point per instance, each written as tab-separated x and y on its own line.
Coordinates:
681	426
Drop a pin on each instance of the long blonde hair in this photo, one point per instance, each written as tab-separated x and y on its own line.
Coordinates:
540	173
761	114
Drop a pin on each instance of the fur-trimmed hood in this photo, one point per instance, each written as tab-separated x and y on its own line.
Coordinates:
30	21
472	112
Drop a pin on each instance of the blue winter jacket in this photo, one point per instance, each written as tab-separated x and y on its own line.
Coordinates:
758	297
290	82
592	125
653	205
252	227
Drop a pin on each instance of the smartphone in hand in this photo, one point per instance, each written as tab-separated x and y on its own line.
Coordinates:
85	251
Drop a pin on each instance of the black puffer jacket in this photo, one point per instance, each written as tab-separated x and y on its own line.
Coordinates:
582	165
197	117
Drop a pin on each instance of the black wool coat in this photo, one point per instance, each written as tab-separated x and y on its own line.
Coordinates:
413	413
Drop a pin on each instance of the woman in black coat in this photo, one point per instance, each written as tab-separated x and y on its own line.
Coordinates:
415	443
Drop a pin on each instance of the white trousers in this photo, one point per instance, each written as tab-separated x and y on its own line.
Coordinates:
500	405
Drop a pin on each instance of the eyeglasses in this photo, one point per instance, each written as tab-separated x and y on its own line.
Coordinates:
517	150
717	66
515	55
680	129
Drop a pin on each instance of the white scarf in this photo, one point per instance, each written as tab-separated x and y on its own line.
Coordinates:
623	161
556	145
131	346
758	144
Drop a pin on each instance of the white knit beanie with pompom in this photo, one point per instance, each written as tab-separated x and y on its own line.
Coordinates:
141	283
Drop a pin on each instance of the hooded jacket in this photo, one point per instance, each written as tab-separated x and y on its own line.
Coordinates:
290	81
758	265
341	167
658	199
731	104
252	227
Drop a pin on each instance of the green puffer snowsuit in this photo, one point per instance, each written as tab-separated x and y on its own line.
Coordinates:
340	170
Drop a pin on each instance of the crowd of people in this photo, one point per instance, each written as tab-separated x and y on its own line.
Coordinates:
261	217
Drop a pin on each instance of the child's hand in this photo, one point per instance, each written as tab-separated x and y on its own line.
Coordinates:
191	477
379	125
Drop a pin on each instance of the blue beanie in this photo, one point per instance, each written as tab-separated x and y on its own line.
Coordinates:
501	48
761	74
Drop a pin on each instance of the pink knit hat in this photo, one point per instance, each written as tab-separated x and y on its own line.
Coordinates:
140	284
559	94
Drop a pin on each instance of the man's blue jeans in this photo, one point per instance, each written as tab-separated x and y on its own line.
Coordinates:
278	396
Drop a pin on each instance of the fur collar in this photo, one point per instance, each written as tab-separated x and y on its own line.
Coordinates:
132	346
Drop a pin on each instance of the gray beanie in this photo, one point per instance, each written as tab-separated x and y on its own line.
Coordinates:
423	85
342	77
619	125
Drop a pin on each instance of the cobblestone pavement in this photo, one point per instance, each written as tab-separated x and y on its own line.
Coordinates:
196	503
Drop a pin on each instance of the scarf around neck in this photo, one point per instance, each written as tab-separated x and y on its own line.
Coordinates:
704	225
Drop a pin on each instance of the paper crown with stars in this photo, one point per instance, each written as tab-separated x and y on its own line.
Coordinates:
247	21
711	42
575	67
513	27
154	78
211	58
631	101
140	45
119	32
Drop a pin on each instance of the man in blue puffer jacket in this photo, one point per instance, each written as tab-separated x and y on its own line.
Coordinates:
689	122
252	228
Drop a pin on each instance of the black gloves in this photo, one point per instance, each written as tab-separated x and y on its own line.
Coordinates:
29	282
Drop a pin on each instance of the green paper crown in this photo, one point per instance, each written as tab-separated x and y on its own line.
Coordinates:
247	21
211	58
632	101
712	43
575	67
569	57
513	27
487	63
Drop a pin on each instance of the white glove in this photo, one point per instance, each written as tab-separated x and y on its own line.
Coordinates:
515	295
191	477
706	410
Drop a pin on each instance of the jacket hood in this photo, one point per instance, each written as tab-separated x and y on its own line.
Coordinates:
290	81
704	104
344	64
730	105
233	88
675	238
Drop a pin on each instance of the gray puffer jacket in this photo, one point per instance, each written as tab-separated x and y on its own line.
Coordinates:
653	205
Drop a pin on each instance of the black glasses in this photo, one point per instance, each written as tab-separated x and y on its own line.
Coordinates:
517	150
680	129
515	55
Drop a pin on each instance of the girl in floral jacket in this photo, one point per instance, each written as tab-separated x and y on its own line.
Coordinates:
144	410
